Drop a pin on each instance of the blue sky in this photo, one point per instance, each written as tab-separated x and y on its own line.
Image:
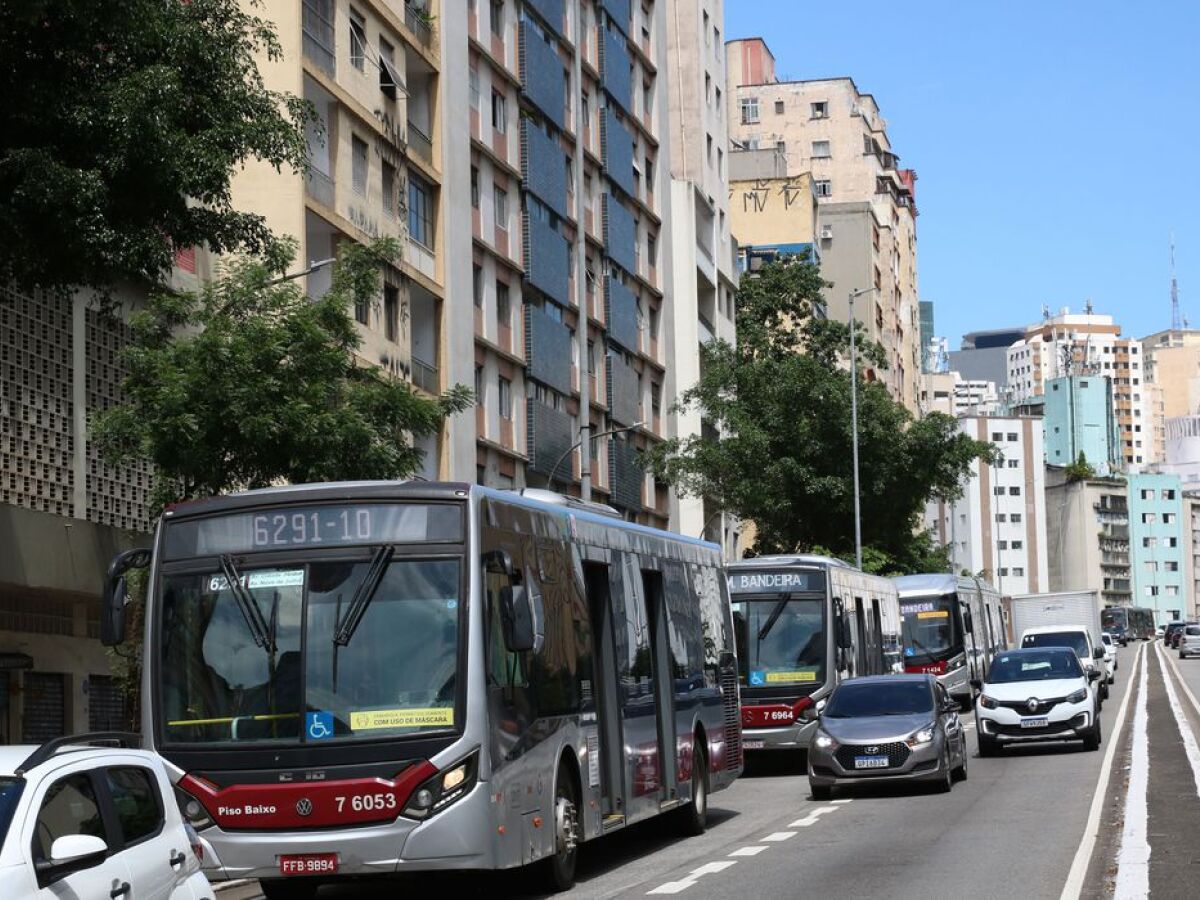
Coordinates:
1057	144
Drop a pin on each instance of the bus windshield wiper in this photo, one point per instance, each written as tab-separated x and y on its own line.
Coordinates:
363	596
259	630
774	617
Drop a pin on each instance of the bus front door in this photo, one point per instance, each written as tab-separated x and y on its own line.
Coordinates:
609	744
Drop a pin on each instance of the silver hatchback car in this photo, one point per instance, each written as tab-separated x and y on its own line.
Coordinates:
887	728
1189	641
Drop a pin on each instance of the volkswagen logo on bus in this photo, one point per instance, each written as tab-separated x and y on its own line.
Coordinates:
1032	705
304	806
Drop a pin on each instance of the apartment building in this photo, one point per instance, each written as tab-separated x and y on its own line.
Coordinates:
867	208
1158	537
1089	537
1172	363
1088	344
1079	419
703	275
999	524
1191	509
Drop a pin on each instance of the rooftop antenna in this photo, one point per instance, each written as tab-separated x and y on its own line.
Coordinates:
1045	312
1087	307
1176	316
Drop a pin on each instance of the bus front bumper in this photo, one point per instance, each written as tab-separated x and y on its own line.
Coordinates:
788	737
456	838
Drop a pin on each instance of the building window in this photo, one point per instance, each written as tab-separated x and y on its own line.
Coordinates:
998	491
749	106
503	305
1001	545
1001	517
820	150
997	437
498	18
1149	518
474	188
477	285
473	80
388	186
1014	492
819	110
708	148
1012	436
824	187
654	323
1003	572
358	164
1171	590
652	250
1017	545
420	211
391	312
1172	566
358	39
505	398
1149	542
499	112
1151	590
1168	494
779	107
479	385
500	206
1013	463
1147	494
1018	572
1015	518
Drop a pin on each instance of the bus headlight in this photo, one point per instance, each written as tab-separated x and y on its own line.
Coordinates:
443	789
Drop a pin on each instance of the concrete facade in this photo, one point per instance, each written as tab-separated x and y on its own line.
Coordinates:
1088	532
998	526
1079	419
867	215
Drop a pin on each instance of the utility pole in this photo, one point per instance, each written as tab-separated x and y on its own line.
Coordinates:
854	426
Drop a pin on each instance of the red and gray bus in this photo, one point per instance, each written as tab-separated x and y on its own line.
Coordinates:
359	679
803	624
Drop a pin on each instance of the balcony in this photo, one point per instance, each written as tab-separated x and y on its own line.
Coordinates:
420	143
426	376
419	22
319	186
318	35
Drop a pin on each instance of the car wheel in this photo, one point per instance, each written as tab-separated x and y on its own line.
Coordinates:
961	772
821	791
695	814
1092	741
558	871
987	745
945	783
288	889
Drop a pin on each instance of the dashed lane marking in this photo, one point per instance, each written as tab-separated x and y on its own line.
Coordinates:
778	836
750	851
675	887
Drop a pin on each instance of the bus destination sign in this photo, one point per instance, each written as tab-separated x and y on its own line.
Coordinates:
777	581
314	526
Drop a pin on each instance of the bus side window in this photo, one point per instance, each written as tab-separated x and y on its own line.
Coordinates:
505	669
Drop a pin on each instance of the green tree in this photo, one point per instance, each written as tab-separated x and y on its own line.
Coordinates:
121	126
248	382
1080	470
782	397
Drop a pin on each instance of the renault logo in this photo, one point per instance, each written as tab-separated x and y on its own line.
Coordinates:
304	807
1032	705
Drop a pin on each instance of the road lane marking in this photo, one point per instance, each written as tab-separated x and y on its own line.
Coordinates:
1185	728
675	887
1083	856
1183	684
1133	859
749	851
778	836
847	800
812	817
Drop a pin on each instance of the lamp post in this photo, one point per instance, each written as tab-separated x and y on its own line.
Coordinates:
312	267
600	434
854	425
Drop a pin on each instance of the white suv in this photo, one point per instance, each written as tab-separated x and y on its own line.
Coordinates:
1110	655
85	821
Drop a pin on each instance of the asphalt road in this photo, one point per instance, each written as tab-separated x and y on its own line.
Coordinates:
1018	827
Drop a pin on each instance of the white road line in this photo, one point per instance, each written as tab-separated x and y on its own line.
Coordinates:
804	823
749	851
1133	860
1083	855
846	800
675	887
1183	684
778	836
1185	728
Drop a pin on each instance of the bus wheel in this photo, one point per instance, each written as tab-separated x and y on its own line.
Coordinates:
558	872
288	889
694	816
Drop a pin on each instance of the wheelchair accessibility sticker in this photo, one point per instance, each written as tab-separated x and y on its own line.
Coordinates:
758	678
318	725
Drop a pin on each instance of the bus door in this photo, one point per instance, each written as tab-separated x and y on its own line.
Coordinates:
663	680
877	652
610	743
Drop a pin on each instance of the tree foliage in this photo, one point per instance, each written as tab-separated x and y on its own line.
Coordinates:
1081	469
121	127
782	398
249	382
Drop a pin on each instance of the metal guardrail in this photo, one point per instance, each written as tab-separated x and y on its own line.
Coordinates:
426	376
416	17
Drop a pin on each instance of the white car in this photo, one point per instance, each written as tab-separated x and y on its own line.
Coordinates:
83	821
1110	655
1037	694
1077	638
1189	641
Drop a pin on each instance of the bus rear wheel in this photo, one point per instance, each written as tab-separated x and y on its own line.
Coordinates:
558	872
694	816
288	889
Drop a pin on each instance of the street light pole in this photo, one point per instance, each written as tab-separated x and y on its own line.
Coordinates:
578	443
854	425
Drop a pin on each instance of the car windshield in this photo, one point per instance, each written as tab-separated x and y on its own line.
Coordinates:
1106	638
780	641
1038	665
10	793
930	630
1193	631
314	680
900	698
1076	640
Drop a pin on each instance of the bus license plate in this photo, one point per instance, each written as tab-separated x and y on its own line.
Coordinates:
870	762
752	745
308	864
1034	723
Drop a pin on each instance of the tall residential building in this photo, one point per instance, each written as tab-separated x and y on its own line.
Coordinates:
1172	362
867	238
703	274
930	348
1088	344
1079	419
999	524
1158	552
771	217
1181	456
975	398
1191	512
1088	530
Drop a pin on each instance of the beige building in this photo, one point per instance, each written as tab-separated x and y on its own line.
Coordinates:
704	277
867	211
1089	540
1089	344
938	392
1172	361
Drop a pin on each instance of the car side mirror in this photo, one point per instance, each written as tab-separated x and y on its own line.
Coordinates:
977	684
1093	675
69	854
1098	653
517	619
950	706
116	595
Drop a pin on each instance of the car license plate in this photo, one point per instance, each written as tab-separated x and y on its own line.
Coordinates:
1034	723
870	762
308	864
752	745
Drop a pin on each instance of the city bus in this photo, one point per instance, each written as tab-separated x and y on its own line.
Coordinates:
359	679
953	626
1128	623
803	624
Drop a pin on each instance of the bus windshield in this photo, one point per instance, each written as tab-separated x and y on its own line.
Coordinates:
304	673
930	631
780	641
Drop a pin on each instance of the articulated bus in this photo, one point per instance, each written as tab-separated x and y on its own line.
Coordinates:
367	678
803	624
953	626
1128	623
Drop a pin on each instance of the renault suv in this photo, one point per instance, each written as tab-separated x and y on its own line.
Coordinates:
1037	694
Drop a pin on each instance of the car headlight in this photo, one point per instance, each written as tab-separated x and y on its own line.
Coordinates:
1078	697
824	741
924	736
443	789
987	702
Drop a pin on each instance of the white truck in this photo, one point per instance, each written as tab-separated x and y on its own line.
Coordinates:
1042	619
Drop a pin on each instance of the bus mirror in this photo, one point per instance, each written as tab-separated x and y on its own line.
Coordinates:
843	633
116	595
499	562
968	621
517	619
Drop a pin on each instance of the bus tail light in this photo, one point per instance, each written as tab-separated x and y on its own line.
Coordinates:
443	789
193	810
